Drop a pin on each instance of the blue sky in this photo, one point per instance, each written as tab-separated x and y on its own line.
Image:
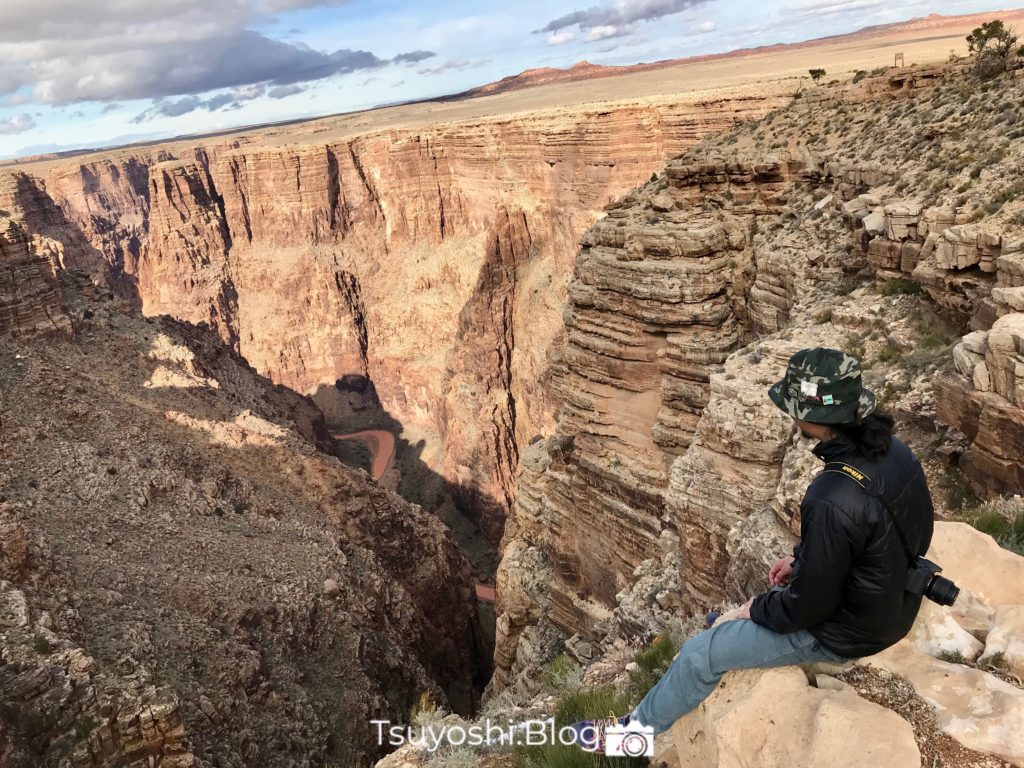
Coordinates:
84	73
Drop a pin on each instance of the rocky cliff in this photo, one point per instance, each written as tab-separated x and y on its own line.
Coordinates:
859	217
431	260
29	294
164	600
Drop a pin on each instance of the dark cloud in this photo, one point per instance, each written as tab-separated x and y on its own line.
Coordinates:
603	21
171	108
219	101
284	91
227	100
17	124
160	50
413	57
453	66
110	108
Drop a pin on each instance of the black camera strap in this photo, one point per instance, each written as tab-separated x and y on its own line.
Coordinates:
863	481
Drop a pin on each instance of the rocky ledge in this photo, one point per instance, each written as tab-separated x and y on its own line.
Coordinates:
167	601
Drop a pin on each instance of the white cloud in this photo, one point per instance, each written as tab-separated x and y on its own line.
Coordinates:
602	33
560	38
707	26
17	124
829	7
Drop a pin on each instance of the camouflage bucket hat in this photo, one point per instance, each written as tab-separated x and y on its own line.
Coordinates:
823	386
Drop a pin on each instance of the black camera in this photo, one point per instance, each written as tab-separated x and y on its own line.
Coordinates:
923	579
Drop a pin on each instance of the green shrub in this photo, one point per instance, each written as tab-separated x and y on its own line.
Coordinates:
577	703
888	353
560	675
900	286
998	661
425	712
992	43
859	75
580	704
1006	529
651	665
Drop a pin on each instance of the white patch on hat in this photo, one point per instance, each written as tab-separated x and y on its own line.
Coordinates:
809	388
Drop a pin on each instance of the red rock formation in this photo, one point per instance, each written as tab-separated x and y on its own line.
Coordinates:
29	297
317	260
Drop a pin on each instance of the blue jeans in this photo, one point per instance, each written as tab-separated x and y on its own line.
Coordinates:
700	664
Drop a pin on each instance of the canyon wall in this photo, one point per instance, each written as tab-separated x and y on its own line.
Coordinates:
671	482
29	293
432	261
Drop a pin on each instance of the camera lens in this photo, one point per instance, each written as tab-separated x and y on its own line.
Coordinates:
635	745
942	591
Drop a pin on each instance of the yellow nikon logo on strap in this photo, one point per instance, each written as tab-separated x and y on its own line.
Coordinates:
854	473
851	472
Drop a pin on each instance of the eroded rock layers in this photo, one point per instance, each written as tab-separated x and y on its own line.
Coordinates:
671	482
657	304
423	259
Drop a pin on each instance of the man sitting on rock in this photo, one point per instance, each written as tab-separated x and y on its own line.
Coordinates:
841	595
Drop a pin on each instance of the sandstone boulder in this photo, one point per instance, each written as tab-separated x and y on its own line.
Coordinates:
977	709
775	719
1005	641
937	632
965	245
975	561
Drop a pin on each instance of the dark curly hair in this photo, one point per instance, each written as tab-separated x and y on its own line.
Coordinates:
872	435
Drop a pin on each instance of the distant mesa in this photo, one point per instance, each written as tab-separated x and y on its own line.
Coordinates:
584	70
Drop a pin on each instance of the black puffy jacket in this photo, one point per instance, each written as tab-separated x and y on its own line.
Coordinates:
847	586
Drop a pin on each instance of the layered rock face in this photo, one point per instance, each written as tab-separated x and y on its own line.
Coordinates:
977	272
658	303
671	482
29	297
166	600
327	258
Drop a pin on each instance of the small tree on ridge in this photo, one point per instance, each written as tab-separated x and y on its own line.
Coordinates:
992	43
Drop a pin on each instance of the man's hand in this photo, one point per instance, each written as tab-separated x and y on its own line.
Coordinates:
781	572
744	610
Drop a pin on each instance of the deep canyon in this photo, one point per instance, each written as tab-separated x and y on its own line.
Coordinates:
566	319
430	263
